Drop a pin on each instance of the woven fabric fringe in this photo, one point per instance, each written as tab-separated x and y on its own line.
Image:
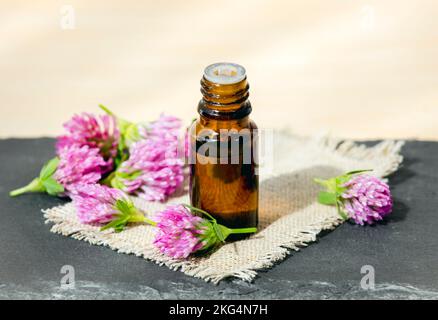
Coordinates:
290	218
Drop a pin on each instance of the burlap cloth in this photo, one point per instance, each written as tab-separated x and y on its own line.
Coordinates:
289	215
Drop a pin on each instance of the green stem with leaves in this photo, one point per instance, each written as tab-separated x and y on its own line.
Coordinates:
34	186
45	182
126	213
334	189
221	231
139	217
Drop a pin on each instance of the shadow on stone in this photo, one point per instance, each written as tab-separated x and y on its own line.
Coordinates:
399	212
403	173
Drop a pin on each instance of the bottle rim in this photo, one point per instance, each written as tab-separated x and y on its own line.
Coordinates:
224	73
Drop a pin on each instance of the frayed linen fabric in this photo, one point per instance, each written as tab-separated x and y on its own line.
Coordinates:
289	215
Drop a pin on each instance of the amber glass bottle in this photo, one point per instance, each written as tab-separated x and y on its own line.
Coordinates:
224	180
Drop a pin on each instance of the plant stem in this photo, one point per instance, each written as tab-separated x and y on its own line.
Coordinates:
199	210
34	186
138	216
243	230
107	180
106	110
123	124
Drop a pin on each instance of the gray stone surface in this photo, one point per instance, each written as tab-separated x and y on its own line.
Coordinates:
403	250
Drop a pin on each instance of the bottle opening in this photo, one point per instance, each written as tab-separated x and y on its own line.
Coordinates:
225	73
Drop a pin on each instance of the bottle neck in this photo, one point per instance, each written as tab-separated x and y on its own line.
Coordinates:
228	124
224	101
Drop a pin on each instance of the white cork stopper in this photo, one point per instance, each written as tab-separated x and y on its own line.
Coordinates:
224	73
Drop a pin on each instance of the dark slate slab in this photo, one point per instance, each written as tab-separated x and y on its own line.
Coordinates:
403	250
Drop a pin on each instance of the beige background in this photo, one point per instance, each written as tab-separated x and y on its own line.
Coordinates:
361	69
